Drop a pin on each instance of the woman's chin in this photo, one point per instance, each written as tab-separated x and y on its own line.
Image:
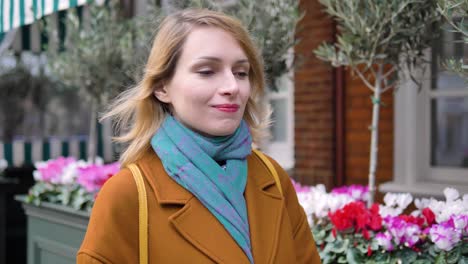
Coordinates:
221	130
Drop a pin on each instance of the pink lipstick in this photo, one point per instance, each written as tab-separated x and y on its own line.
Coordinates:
229	108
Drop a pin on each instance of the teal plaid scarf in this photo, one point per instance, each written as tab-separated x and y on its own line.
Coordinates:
192	161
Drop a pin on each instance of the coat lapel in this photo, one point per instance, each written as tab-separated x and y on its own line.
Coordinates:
265	209
198	226
193	221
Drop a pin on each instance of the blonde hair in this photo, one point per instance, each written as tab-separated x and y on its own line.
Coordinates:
138	114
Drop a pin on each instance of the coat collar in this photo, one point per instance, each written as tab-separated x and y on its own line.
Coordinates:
264	208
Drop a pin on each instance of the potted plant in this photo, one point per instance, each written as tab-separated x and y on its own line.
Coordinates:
59	204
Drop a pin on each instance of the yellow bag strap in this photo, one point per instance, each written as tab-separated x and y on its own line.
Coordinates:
271	168
142	213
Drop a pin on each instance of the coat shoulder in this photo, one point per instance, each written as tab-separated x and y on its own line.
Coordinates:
113	227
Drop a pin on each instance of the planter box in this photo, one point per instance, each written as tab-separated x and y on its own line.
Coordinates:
54	232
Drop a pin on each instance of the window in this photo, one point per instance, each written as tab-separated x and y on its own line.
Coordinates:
281	144
431	127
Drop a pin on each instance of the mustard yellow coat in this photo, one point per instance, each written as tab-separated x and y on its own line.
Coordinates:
182	230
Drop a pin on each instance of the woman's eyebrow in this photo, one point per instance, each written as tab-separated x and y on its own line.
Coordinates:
216	59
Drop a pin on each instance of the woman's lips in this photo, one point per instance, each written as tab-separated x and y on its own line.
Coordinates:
228	108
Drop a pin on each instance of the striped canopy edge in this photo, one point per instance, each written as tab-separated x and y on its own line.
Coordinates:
16	13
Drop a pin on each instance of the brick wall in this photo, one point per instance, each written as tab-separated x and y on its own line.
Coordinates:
313	100
314	113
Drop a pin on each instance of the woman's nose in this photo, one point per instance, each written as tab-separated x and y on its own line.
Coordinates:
230	84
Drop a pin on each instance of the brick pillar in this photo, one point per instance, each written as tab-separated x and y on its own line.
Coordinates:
313	100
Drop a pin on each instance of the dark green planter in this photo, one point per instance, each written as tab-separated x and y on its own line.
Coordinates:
54	232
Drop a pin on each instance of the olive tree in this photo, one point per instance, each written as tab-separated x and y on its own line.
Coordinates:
382	42
95	58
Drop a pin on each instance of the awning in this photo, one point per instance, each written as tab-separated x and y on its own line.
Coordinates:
16	13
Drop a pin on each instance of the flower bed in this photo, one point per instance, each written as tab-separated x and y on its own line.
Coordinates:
346	231
69	182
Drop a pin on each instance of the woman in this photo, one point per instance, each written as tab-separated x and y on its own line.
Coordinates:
190	125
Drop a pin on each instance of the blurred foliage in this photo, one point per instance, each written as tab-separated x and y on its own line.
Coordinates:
18	87
392	33
96	57
96	54
456	15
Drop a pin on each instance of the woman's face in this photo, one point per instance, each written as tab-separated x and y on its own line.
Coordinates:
210	86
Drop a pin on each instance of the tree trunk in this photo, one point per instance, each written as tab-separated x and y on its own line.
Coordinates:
92	133
374	148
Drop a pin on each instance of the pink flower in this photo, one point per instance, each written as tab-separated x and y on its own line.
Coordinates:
93	177
404	233
460	222
385	240
445	235
300	188
52	170
357	192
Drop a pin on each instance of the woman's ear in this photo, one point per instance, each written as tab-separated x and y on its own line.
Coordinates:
161	94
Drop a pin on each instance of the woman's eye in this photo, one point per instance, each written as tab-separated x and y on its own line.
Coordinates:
242	74
205	72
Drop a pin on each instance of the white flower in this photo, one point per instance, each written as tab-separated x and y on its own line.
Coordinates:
453	205
460	221
403	200
385	211
37	175
422	203
3	164
69	174
451	194
338	201
395	203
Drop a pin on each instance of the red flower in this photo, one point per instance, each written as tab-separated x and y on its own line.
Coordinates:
429	215
365	234
375	209
341	220
356	215
413	220
369	251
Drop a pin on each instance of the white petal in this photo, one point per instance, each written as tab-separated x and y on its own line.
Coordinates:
451	194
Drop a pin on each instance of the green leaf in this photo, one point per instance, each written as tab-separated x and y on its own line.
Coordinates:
354	256
340	246
440	259
454	255
464	249
463	260
406	255
421	261
342	259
